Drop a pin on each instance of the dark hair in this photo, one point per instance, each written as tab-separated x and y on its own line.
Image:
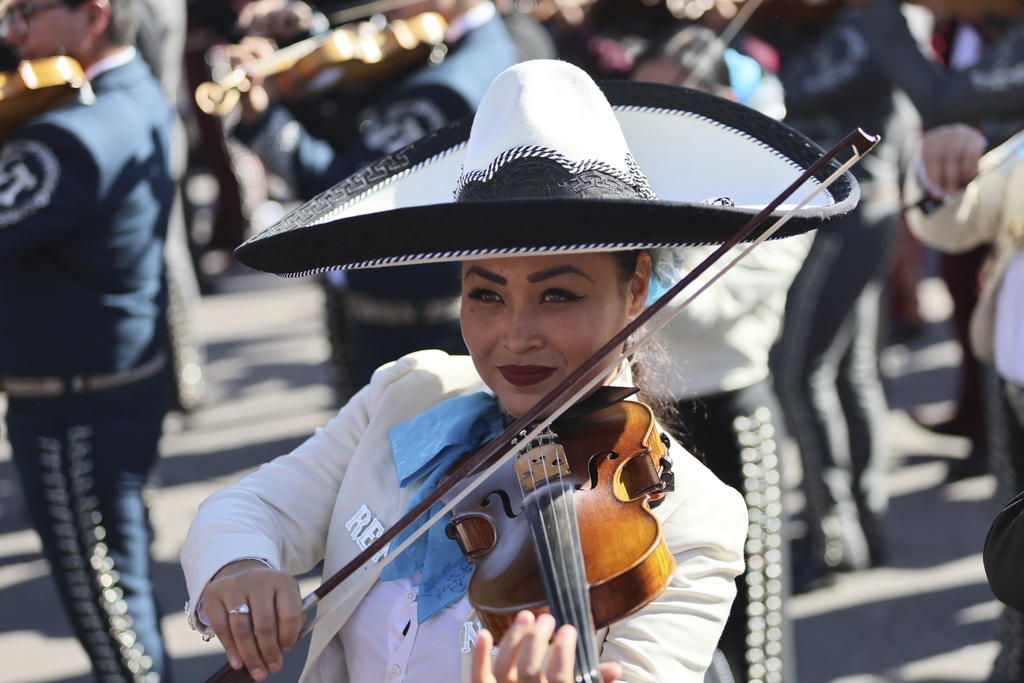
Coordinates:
649	362
125	16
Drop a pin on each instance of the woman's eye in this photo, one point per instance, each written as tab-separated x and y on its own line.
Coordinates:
559	295
481	294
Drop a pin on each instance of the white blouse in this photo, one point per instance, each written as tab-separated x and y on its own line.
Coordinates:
408	651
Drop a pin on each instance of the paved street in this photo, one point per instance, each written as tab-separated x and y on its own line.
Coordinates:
926	616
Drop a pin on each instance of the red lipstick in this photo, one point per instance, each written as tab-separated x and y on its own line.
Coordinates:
525	375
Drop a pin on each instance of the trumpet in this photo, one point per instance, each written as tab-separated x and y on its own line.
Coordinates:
354	53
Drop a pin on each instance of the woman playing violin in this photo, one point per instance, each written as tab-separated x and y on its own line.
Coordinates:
554	228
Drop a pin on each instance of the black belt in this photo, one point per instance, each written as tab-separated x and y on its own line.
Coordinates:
54	387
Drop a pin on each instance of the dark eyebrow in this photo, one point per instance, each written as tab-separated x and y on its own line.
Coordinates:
555	272
532	278
487	275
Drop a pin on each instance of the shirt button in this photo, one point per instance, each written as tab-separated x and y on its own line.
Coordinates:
395	671
411	596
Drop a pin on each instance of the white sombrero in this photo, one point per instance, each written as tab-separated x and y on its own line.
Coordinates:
554	162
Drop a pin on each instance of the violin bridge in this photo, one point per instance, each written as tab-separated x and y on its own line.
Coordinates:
541	460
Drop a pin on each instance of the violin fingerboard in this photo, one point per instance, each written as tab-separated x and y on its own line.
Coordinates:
556	540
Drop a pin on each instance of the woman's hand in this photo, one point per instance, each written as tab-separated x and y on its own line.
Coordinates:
256	613
523	650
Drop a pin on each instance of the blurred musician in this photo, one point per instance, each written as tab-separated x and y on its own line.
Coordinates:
85	193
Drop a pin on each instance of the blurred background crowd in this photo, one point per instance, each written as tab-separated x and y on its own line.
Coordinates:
279	100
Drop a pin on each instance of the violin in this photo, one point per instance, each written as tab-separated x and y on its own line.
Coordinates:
354	53
36	86
568	529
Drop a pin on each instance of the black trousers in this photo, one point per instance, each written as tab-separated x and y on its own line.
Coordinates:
83	462
737	434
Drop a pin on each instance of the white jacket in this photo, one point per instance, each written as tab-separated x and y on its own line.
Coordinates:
720	342
990	210
312	504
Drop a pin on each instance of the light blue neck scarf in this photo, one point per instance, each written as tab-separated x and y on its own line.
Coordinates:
427	446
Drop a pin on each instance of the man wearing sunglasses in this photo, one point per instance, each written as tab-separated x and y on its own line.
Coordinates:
85	192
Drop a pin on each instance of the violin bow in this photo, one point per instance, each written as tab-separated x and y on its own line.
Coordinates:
574	387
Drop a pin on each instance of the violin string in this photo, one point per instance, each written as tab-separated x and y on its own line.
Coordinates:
571	604
586	648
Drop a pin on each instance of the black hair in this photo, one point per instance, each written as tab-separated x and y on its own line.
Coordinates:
649	363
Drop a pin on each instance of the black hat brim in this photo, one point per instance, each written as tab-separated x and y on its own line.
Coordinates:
692	146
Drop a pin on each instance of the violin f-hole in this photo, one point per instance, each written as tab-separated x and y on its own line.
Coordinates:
594	468
475	533
631	477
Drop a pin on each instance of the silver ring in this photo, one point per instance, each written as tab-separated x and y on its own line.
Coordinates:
241	609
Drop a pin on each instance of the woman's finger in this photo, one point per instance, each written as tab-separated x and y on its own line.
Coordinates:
508	649
481	664
610	672
220	622
290	619
530	664
264	625
244	636
242	604
562	658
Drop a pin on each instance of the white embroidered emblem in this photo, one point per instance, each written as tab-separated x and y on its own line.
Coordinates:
366	529
402	123
28	175
467	637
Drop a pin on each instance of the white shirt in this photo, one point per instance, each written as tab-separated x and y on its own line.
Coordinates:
409	651
119	58
1009	326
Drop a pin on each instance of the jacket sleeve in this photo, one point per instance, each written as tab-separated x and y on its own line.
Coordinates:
832	71
1004	554
280	512
990	88
768	269
47	180
966	219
